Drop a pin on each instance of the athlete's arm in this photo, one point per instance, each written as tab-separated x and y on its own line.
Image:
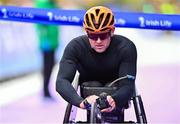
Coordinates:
66	75
127	67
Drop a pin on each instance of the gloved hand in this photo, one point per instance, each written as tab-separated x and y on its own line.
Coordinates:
106	103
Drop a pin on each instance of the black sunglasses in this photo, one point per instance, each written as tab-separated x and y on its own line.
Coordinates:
102	36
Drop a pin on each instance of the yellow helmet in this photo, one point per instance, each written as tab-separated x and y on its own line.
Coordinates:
98	19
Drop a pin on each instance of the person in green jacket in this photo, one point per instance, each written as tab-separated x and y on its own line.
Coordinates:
48	43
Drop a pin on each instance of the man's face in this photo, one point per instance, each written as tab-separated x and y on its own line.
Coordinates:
99	41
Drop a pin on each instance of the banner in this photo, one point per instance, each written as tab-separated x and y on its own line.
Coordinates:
75	17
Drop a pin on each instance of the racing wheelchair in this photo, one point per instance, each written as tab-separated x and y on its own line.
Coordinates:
95	115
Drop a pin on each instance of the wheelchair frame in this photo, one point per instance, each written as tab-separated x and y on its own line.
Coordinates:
96	114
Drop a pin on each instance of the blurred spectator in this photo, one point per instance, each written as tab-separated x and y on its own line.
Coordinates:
168	7
178	7
48	43
149	6
4	2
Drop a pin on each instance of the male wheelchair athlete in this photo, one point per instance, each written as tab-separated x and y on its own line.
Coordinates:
95	114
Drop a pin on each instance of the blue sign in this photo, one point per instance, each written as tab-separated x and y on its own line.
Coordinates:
75	17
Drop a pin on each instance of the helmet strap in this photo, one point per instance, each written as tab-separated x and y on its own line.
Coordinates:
112	33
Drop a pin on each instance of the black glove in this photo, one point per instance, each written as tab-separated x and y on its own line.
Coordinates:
102	102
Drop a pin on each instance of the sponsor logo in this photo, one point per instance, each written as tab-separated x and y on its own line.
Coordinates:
67	18
4	11
54	17
50	16
8	14
154	23
141	19
120	21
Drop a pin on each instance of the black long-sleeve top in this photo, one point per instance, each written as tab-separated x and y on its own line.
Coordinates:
118	60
